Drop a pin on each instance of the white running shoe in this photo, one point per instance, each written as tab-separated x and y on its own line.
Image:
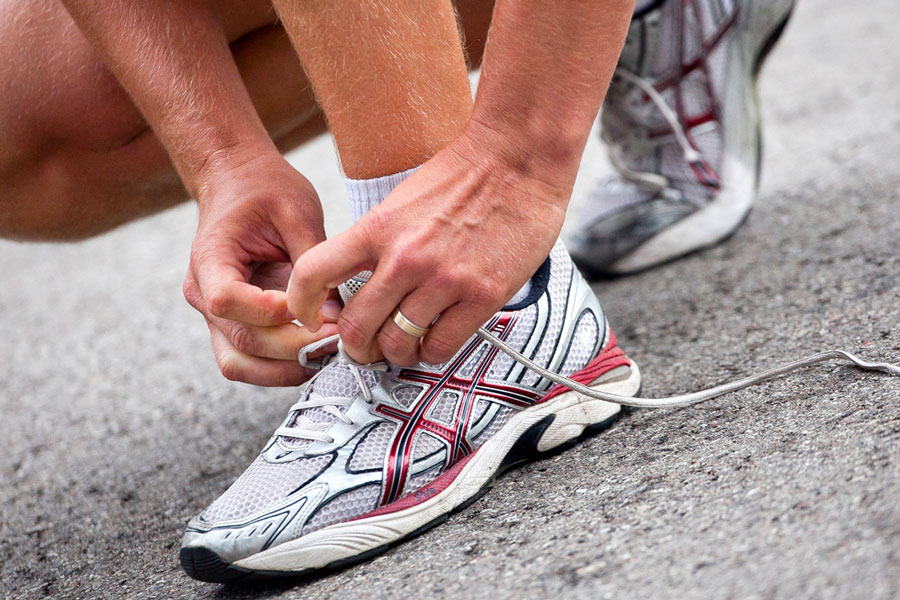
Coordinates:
681	122
374	454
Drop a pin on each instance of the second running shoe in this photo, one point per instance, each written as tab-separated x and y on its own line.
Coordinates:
682	126
374	454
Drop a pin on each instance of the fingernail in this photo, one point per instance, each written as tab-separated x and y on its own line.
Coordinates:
288	315
332	309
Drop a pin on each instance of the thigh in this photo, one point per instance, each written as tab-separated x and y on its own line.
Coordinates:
57	90
76	156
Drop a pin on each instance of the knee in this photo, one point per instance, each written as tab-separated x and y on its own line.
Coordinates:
37	201
69	193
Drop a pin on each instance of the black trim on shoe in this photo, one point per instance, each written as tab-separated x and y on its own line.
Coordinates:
638	14
539	282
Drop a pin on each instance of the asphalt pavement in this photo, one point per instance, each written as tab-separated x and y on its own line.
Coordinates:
117	426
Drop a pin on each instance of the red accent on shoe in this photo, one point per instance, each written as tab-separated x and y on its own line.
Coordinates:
426	492
608	359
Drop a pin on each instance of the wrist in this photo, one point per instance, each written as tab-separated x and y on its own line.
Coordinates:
217	168
530	146
527	187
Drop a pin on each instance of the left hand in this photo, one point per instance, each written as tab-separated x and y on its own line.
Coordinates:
455	240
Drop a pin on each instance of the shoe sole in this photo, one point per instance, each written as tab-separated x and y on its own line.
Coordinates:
722	217
536	432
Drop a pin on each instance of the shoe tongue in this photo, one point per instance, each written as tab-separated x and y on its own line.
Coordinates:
352	285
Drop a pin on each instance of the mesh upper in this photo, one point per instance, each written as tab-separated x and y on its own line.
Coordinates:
421	480
405	395
584	345
443	410
467	370
345	506
425	444
263	484
482	404
561	272
500	419
372	449
518	338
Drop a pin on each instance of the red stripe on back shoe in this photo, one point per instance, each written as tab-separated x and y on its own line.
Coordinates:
608	359
426	492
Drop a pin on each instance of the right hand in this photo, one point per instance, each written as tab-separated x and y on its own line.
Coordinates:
256	218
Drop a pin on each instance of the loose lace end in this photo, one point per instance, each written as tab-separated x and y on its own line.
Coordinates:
695	397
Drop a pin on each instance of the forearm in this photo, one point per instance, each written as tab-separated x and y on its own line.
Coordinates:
175	62
546	71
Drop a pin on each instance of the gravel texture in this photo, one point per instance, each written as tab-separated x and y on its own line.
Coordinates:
117	427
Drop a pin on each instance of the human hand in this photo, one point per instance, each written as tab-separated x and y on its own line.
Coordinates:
456	239
255	218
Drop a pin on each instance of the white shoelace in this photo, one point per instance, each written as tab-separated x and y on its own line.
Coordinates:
694	397
652	180
304	428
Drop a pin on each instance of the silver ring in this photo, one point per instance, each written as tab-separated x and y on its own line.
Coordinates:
408	326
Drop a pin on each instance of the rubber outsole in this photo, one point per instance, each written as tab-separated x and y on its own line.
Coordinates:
205	565
592	273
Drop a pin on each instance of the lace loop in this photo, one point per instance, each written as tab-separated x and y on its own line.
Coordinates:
319	363
305	428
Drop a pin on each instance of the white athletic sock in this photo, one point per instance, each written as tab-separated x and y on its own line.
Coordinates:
365	194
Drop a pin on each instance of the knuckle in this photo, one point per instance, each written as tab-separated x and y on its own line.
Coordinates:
373	223
244	339
437	350
191	293
444	279
352	332
483	292
219	302
393	345
408	260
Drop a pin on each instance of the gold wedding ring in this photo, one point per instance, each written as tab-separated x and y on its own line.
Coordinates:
408	326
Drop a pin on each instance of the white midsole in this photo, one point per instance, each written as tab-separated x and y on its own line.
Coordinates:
706	227
573	413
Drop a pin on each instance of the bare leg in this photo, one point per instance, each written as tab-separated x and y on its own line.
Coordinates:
77	158
390	77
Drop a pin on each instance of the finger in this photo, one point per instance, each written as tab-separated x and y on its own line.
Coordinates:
237	366
421	307
228	296
367	311
322	268
279	341
453	329
332	307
